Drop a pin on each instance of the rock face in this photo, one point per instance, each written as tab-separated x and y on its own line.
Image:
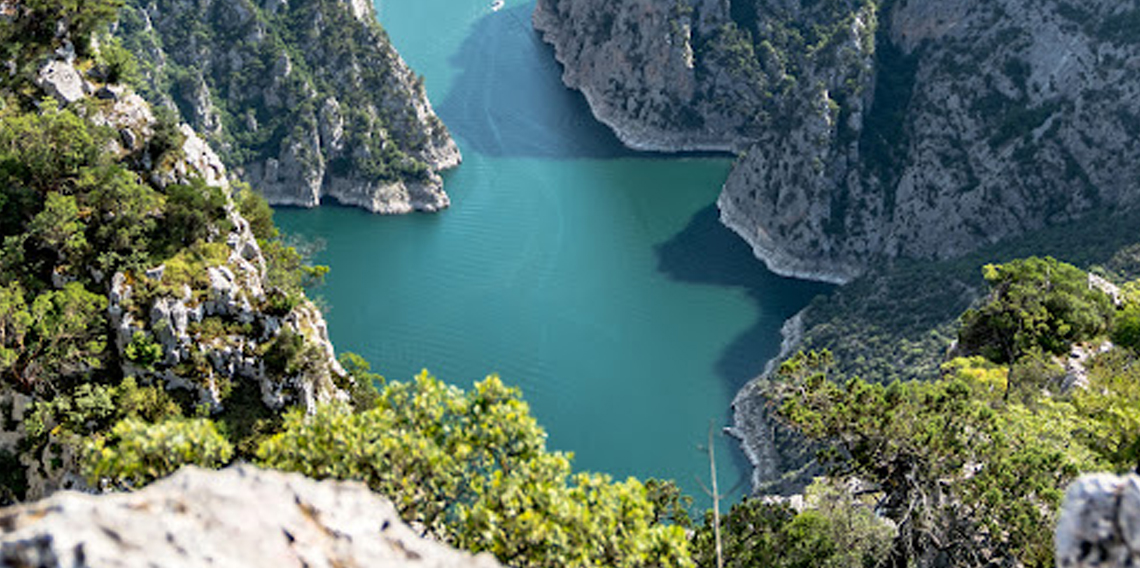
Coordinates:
921	129
241	516
1100	523
216	325
219	326
61	81
304	99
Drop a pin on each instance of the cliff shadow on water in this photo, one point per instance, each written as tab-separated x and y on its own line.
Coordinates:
706	252
508	99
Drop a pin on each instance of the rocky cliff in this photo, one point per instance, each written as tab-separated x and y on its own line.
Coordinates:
219	324
915	128
304	99
241	516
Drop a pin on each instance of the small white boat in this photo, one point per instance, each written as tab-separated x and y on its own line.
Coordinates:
497	5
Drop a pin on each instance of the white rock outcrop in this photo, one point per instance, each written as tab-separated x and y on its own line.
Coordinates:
1099	525
238	517
60	80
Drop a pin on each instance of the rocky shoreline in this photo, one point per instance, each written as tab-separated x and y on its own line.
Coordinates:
753	428
1009	117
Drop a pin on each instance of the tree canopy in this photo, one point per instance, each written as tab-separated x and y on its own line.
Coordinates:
472	467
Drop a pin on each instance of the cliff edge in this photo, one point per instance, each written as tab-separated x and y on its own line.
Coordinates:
867	131
304	99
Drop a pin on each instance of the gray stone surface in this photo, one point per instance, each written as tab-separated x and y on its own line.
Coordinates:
347	96
61	81
1019	114
239	517
1100	523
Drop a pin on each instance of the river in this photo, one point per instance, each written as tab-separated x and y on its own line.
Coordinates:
595	279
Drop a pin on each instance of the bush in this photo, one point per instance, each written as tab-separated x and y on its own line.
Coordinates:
136	453
142	350
1127	329
119	65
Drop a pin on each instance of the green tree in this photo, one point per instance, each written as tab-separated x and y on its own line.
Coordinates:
1034	303
472	467
46	151
15	320
363	385
60	334
1111	406
118	64
127	211
192	213
968	478
834	530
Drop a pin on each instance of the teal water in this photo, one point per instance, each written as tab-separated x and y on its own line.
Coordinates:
597	280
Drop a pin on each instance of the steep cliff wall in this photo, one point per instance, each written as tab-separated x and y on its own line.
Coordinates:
303	99
920	129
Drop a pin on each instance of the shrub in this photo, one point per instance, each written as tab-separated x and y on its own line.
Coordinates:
136	453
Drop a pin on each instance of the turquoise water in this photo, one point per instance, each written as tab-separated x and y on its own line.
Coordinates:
597	280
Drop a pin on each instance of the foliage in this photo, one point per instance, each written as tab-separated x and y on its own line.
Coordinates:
1034	303
898	321
965	475
168	137
46	151
137	452
32	31
13	479
142	350
833	531
118	64
362	387
86	409
472	467
192	213
1127	329
1110	404
59	334
257	211
669	504
90	408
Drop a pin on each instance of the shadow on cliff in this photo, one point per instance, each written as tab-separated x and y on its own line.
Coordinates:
707	252
508	98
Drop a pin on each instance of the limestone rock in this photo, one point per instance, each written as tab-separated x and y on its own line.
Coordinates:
219	329
328	109
60	80
240	516
919	129
1099	525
